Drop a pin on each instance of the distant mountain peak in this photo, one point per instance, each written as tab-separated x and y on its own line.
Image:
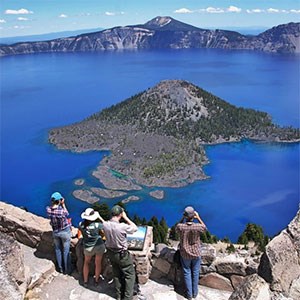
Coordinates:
159	22
168	24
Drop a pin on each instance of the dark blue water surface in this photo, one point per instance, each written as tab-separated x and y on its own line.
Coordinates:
249	182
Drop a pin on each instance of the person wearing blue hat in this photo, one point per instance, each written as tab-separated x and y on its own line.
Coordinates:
58	215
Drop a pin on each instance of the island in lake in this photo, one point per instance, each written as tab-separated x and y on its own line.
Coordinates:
156	137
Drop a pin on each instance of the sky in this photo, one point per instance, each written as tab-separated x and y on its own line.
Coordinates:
31	17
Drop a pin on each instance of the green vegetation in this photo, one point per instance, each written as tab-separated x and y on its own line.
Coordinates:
146	112
230	248
255	234
252	232
160	228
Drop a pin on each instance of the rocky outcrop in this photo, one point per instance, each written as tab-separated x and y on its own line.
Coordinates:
280	264
12	270
165	32
218	270
253	288
278	271
25	227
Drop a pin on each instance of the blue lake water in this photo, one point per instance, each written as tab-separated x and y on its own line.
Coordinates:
249	182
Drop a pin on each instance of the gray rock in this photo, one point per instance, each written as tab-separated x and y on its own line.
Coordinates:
293	230
12	270
253	288
295	289
236	280
25	227
279	264
216	281
230	264
208	254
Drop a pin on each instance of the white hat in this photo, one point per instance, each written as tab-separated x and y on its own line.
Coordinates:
90	214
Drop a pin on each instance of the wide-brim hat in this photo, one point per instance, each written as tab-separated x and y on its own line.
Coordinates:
90	214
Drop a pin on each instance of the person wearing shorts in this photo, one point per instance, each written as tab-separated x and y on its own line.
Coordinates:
93	244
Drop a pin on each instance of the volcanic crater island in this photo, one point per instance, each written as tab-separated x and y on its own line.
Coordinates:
156	139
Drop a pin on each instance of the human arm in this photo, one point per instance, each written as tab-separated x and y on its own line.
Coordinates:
101	219
63	205
197	217
129	222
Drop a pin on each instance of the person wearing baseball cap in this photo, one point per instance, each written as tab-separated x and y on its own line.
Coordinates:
120	258
58	215
190	255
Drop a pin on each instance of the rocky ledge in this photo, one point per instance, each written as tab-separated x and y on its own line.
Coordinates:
26	270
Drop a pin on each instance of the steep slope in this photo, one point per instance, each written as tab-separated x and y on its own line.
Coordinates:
180	109
165	32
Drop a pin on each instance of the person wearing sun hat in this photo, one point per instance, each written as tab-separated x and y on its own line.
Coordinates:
93	244
189	233
58	215
120	258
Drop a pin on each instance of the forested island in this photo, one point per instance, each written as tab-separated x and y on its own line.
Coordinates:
157	137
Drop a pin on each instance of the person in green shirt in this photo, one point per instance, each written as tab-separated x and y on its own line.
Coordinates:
93	244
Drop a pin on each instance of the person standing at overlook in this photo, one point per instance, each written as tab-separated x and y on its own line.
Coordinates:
190	254
120	258
58	215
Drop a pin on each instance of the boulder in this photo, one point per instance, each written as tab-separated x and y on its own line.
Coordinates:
26	227
278	275
162	265
295	289
216	281
230	264
253	288
12	270
279	264
293	230
208	254
237	280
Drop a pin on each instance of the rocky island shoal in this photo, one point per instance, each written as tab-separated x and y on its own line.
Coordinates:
157	137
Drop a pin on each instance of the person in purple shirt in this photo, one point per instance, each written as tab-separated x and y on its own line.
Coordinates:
58	215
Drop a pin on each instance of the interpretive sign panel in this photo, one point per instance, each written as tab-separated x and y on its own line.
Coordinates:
136	240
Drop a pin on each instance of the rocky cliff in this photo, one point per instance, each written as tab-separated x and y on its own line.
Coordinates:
165	32
278	275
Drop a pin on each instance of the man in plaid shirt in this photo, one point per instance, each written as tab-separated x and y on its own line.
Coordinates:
58	215
190	249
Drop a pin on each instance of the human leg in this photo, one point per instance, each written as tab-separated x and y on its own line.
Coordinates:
58	250
86	268
98	266
196	263
187	275
66	242
129	275
117	273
